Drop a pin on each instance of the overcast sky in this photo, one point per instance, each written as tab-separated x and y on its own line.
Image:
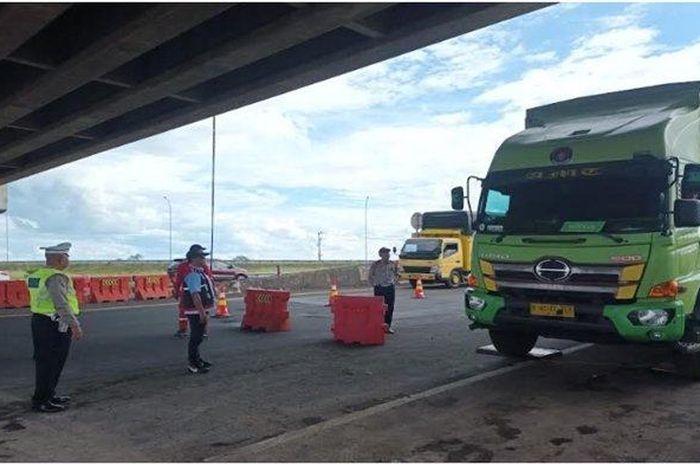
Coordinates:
403	132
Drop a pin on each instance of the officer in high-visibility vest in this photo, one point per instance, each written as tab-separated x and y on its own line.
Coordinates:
54	307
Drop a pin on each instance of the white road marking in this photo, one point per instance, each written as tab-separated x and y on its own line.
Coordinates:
374	410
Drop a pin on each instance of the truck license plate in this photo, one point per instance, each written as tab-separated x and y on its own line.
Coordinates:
417	276
554	310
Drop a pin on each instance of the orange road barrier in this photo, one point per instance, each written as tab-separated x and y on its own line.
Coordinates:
152	287
14	294
110	289
82	289
418	292
266	310
222	306
359	320
3	294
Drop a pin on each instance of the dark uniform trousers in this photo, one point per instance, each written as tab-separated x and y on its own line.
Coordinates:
389	294
197	329
50	352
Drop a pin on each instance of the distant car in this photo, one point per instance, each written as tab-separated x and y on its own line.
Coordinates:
222	271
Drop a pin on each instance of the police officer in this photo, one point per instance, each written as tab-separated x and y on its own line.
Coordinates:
182	270
54	307
382	275
196	298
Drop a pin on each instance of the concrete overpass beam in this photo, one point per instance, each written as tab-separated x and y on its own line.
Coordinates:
157	25
19	22
290	30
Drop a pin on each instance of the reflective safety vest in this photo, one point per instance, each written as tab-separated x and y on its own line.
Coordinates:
39	299
205	290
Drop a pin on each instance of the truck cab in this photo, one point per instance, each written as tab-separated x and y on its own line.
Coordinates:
440	252
587	224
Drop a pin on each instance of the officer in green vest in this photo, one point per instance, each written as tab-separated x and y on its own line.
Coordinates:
54	307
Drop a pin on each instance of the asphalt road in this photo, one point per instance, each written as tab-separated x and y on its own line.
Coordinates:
298	395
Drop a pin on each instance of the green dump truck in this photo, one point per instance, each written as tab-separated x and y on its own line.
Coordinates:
587	224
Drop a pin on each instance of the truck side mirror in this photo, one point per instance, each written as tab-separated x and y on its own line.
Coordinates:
691	181
686	213
457	198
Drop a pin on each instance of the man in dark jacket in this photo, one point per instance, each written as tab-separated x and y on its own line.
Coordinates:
182	270
196	298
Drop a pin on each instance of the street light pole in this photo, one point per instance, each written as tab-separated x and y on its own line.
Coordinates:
366	201
213	172
318	244
170	225
7	237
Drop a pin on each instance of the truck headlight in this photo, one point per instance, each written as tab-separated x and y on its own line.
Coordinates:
434	269
650	317
475	303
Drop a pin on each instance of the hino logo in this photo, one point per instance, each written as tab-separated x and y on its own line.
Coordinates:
561	155
552	270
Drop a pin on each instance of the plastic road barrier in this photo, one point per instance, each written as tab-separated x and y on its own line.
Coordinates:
358	320
266	310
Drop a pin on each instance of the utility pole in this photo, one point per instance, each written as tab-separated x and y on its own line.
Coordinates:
170	226
366	201
213	172
7	237
318	244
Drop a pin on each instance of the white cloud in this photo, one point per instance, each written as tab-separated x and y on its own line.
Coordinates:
540	57
459	63
632	15
613	60
451	119
23	223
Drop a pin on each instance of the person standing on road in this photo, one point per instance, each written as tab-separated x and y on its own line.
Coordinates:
182	270
382	275
196	298
394	256
54	307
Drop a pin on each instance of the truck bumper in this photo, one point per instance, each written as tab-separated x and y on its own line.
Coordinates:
616	323
422	276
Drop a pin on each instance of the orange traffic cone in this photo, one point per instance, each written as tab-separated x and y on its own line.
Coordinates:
222	306
332	294
418	291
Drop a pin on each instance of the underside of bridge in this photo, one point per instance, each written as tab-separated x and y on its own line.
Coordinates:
79	79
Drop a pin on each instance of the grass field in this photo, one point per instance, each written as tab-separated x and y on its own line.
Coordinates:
18	270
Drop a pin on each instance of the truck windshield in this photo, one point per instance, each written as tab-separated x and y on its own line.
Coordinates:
422	248
604	204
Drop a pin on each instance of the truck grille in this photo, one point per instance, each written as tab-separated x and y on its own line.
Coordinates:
573	282
416	269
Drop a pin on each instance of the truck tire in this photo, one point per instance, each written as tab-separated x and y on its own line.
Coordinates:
513	343
687	361
686	354
413	283
454	281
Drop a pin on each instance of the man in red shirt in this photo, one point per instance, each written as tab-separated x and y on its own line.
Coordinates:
183	269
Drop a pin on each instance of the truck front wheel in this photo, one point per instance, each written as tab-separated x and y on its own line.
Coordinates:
686	359
513	343
455	280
